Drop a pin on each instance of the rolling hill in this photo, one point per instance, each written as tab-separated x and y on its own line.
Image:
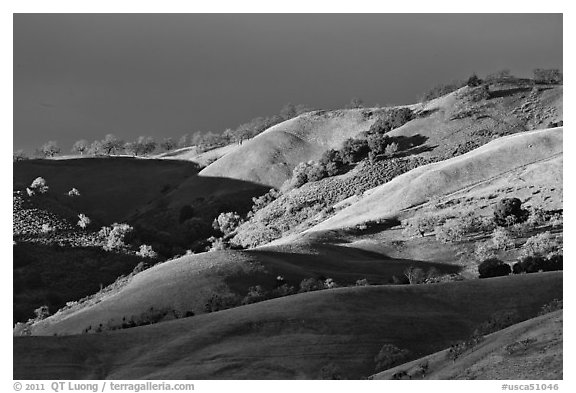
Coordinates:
295	337
202	158
450	125
466	154
531	158
270	157
186	284
529	350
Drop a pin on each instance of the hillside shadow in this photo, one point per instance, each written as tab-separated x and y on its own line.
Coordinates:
409	142
508	92
410	145
50	274
344	264
150	193
426	113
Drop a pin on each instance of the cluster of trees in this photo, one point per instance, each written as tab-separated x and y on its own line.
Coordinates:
441	90
541	252
123	237
145	145
391	119
371	144
548	76
541	76
509	217
494	267
112	145
224	299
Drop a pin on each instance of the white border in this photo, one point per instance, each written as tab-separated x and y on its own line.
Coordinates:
227	6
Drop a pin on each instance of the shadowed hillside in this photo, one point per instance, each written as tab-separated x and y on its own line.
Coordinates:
293	337
187	284
112	189
529	350
142	192
56	261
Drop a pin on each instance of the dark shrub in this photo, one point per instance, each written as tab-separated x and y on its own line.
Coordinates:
509	211
478	93
548	76
474	81
283	290
555	263
458	349
521	267
441	90
493	267
531	264
355	103
536	263
377	143
332	162
390	120
354	150
255	294
317	172
311	284
264	200
224	301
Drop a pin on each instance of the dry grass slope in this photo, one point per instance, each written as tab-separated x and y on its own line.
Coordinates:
292	337
494	160
529	350
270	157
187	283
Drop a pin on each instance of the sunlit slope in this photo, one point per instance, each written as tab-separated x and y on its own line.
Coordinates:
290	337
270	157
455	124
202	158
519	153
529	350
448	125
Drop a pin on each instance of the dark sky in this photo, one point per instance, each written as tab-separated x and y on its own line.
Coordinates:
83	76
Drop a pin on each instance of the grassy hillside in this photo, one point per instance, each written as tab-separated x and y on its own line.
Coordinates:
112	189
458	123
461	154
144	192
187	284
529	350
202	158
309	335
451	125
66	263
498	159
270	157
443	128
221	272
